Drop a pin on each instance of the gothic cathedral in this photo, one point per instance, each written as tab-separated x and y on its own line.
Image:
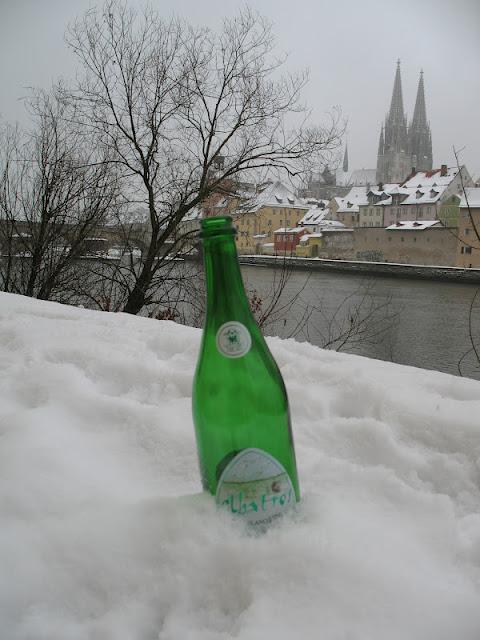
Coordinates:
403	147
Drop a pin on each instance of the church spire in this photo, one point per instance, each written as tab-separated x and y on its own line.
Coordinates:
396	137
345	159
396	114
420	139
420	112
393	162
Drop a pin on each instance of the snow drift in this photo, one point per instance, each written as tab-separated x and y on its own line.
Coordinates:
105	533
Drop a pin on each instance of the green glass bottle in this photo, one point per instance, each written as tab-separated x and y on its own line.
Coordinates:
240	405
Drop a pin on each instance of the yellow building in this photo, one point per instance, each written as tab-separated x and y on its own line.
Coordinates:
268	208
310	245
331	243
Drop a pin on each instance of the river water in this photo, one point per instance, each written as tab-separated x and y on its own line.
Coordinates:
414	322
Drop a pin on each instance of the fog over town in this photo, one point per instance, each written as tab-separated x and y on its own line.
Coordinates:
351	49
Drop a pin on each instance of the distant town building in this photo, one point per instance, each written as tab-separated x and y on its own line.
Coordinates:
411	242
403	146
372	212
346	209
318	217
332	243
321	185
425	195
286	239
257	214
468	245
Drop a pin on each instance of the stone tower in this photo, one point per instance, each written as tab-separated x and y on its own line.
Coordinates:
419	135
394	161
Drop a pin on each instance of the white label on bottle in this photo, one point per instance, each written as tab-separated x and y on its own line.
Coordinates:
255	486
233	340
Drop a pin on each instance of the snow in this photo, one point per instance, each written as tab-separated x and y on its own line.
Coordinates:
424	195
272	194
106	535
473	196
413	225
355	197
314	216
430	179
385	190
290	230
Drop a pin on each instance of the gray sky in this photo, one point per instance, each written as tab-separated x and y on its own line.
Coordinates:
350	47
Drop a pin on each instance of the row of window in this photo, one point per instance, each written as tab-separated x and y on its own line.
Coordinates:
402	239
377	211
269	222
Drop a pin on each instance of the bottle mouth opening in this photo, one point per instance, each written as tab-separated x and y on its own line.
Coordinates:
216	226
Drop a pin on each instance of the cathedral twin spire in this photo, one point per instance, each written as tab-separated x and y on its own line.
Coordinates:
401	147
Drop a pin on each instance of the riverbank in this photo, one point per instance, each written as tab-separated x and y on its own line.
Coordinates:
387	269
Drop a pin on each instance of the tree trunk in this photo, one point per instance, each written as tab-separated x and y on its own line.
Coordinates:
136	298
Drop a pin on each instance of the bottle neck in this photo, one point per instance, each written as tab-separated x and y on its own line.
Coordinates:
226	297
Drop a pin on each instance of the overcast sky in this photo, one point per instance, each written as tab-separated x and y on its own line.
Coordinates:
350	47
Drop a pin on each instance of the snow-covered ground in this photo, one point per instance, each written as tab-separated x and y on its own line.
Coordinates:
104	533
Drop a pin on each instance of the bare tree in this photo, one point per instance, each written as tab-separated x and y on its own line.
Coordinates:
53	196
359	319
184	111
473	352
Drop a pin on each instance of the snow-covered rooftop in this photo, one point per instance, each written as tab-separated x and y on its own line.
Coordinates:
350	203
431	178
413	225
325	224
314	216
424	195
106	532
290	230
274	194
314	203
473	196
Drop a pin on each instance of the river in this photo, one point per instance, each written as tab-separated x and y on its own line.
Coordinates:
414	322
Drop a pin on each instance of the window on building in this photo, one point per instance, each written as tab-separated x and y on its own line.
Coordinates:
402	239
468	249
467	231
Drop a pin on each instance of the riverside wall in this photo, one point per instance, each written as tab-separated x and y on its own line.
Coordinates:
385	269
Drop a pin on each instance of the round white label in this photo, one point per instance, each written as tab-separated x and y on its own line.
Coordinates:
233	340
255	486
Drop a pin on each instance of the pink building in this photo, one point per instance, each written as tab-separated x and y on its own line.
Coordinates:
286	239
